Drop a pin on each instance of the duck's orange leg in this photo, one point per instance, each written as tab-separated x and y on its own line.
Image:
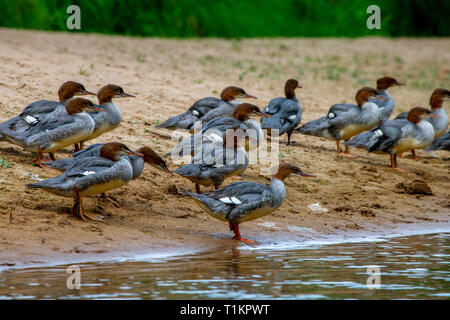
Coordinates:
37	161
237	235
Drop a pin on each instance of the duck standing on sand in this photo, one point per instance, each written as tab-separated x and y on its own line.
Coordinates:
217	162
286	112
387	106
109	120
440	122
215	129
398	135
92	175
199	110
37	110
345	120
137	162
56	132
244	201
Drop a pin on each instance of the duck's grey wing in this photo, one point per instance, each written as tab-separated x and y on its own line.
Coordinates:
286	115
387	135
81	174
273	109
40	107
441	143
224	109
403	115
63	164
203	106
186	120
221	124
92	151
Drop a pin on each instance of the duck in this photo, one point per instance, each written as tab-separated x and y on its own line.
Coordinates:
398	135
345	120
215	129
92	175
37	110
109	120
244	201
441	143
440	122
94	150
199	110
286	112
56	132
217	162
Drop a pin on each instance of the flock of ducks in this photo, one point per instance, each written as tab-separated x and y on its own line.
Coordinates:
219	149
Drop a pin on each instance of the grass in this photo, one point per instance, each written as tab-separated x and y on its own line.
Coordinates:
233	19
5	164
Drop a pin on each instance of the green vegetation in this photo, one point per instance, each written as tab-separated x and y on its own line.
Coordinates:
233	19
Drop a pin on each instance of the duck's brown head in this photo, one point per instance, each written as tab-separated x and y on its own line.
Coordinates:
69	89
232	93
153	159
110	91
387	82
417	114
78	105
286	169
289	88
243	112
438	97
114	150
364	94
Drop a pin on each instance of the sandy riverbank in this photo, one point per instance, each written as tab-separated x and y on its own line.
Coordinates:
167	76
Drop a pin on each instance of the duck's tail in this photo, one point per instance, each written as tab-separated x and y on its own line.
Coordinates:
314	128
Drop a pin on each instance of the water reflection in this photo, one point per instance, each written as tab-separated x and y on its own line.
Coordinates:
411	267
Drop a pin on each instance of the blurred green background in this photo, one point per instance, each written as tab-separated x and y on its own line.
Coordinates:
233	18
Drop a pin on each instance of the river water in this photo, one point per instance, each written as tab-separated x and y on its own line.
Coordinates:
410	267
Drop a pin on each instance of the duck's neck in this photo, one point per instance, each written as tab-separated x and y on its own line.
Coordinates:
279	191
113	112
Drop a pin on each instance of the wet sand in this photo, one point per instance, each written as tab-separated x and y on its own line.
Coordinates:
167	76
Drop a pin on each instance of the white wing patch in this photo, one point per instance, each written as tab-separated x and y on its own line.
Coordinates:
30	120
87	172
378	133
214	137
331	115
195	113
292	117
231	200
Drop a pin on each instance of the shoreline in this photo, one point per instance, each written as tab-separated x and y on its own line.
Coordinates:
169	253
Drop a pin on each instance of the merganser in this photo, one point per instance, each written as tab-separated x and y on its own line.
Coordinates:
441	143
57	132
387	106
35	111
345	120
227	101
440	122
215	129
217	162
109	120
94	150
398	135
91	176
244	201
286	112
